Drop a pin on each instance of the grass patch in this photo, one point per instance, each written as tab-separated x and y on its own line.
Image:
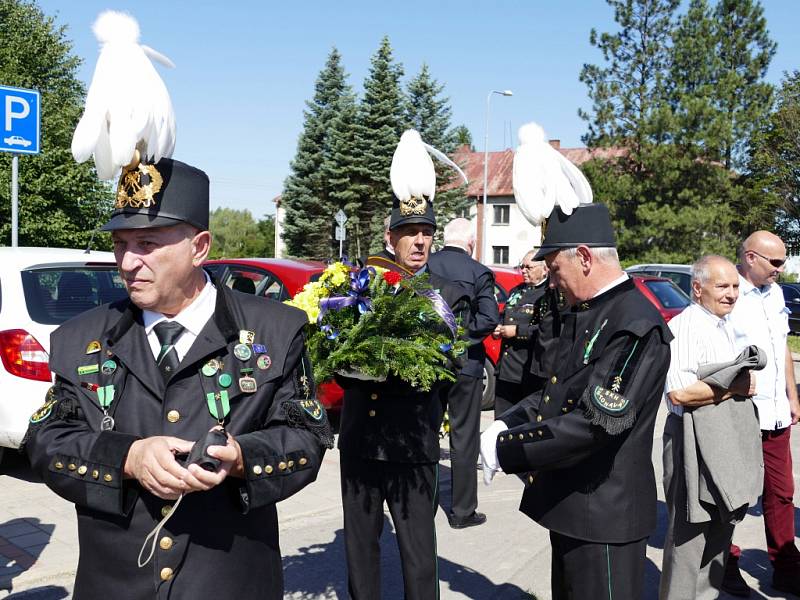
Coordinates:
794	343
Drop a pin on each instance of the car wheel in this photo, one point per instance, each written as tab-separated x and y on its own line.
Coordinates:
487	401
2	450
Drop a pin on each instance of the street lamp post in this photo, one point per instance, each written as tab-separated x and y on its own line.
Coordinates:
484	246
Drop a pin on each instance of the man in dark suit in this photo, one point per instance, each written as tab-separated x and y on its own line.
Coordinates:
137	382
585	441
389	444
454	262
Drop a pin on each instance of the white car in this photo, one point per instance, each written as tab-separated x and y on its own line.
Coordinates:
40	288
17	140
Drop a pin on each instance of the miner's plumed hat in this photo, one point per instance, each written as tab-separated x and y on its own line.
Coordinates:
166	193
413	210
588	225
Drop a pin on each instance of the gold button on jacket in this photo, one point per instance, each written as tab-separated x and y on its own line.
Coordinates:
166	574
173	416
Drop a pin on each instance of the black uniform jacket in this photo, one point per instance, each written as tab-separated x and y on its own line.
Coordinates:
222	543
390	420
455	265
586	439
521	310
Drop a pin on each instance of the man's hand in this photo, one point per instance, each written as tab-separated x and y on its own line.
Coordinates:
744	384
504	331
198	479
794	409
152	463
489	450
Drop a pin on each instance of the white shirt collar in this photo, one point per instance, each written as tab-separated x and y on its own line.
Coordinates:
621	279
194	317
717	321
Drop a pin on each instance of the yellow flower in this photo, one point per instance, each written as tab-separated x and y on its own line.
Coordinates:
309	298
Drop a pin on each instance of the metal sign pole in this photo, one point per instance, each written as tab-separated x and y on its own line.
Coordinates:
340	248
14	200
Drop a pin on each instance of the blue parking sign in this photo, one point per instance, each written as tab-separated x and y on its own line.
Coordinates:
19	120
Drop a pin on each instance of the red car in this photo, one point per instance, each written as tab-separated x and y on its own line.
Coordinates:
667	297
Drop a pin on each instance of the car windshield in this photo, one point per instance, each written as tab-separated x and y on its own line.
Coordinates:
668	294
54	294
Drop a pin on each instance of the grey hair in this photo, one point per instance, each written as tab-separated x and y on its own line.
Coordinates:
701	269
459	230
605	254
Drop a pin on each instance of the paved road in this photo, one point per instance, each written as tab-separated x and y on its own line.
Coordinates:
506	559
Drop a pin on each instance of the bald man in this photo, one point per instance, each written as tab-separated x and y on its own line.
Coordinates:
760	318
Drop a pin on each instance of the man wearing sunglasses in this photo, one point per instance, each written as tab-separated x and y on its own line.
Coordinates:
760	317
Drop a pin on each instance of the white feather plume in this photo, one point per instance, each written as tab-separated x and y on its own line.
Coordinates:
412	174
544	178
127	105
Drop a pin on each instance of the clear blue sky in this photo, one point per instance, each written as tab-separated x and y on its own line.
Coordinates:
245	68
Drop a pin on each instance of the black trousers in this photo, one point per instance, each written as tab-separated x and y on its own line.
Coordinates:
584	570
464	410
411	493
506	395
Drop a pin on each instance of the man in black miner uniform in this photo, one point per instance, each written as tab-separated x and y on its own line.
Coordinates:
454	262
138	381
585	441
389	445
521	319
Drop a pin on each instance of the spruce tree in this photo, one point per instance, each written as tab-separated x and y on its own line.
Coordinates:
309	208
745	51
427	111
61	202
380	124
629	93
775	164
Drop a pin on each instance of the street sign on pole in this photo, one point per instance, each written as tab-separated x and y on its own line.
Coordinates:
341	218
19	120
341	235
19	134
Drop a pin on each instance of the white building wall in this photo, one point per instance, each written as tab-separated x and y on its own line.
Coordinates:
518	235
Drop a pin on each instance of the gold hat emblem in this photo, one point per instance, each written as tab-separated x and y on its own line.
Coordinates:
138	186
413	206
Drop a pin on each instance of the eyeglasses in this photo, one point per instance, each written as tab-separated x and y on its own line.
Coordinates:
775	262
524	267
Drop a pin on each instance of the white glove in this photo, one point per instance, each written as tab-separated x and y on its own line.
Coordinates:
489	450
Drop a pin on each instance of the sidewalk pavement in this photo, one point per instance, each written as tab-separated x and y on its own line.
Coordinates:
508	558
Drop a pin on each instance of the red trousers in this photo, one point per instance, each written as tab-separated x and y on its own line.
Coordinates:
778	501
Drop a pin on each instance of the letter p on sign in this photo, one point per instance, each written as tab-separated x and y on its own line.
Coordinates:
16	108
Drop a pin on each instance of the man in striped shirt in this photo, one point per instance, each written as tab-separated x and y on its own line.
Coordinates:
694	553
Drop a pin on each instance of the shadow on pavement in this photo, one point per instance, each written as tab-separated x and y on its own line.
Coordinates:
21	543
319	571
47	592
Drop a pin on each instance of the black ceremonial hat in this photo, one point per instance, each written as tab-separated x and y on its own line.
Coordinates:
413	210
588	225
166	193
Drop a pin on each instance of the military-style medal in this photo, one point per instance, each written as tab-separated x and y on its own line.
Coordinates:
105	396
264	362
242	352
225	380
92	347
218	404
246	337
248	384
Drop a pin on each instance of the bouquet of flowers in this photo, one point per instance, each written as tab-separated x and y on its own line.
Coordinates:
372	322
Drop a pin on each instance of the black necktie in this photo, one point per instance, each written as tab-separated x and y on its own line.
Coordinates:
168	333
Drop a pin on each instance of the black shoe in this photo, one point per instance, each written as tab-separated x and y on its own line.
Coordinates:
732	582
786	581
472	520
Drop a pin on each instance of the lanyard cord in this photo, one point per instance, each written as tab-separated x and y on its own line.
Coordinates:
151	537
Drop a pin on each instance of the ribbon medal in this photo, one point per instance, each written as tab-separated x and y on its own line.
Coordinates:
218	404
88	369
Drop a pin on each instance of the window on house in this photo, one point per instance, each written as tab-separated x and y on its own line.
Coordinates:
501	214
500	255
463	213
